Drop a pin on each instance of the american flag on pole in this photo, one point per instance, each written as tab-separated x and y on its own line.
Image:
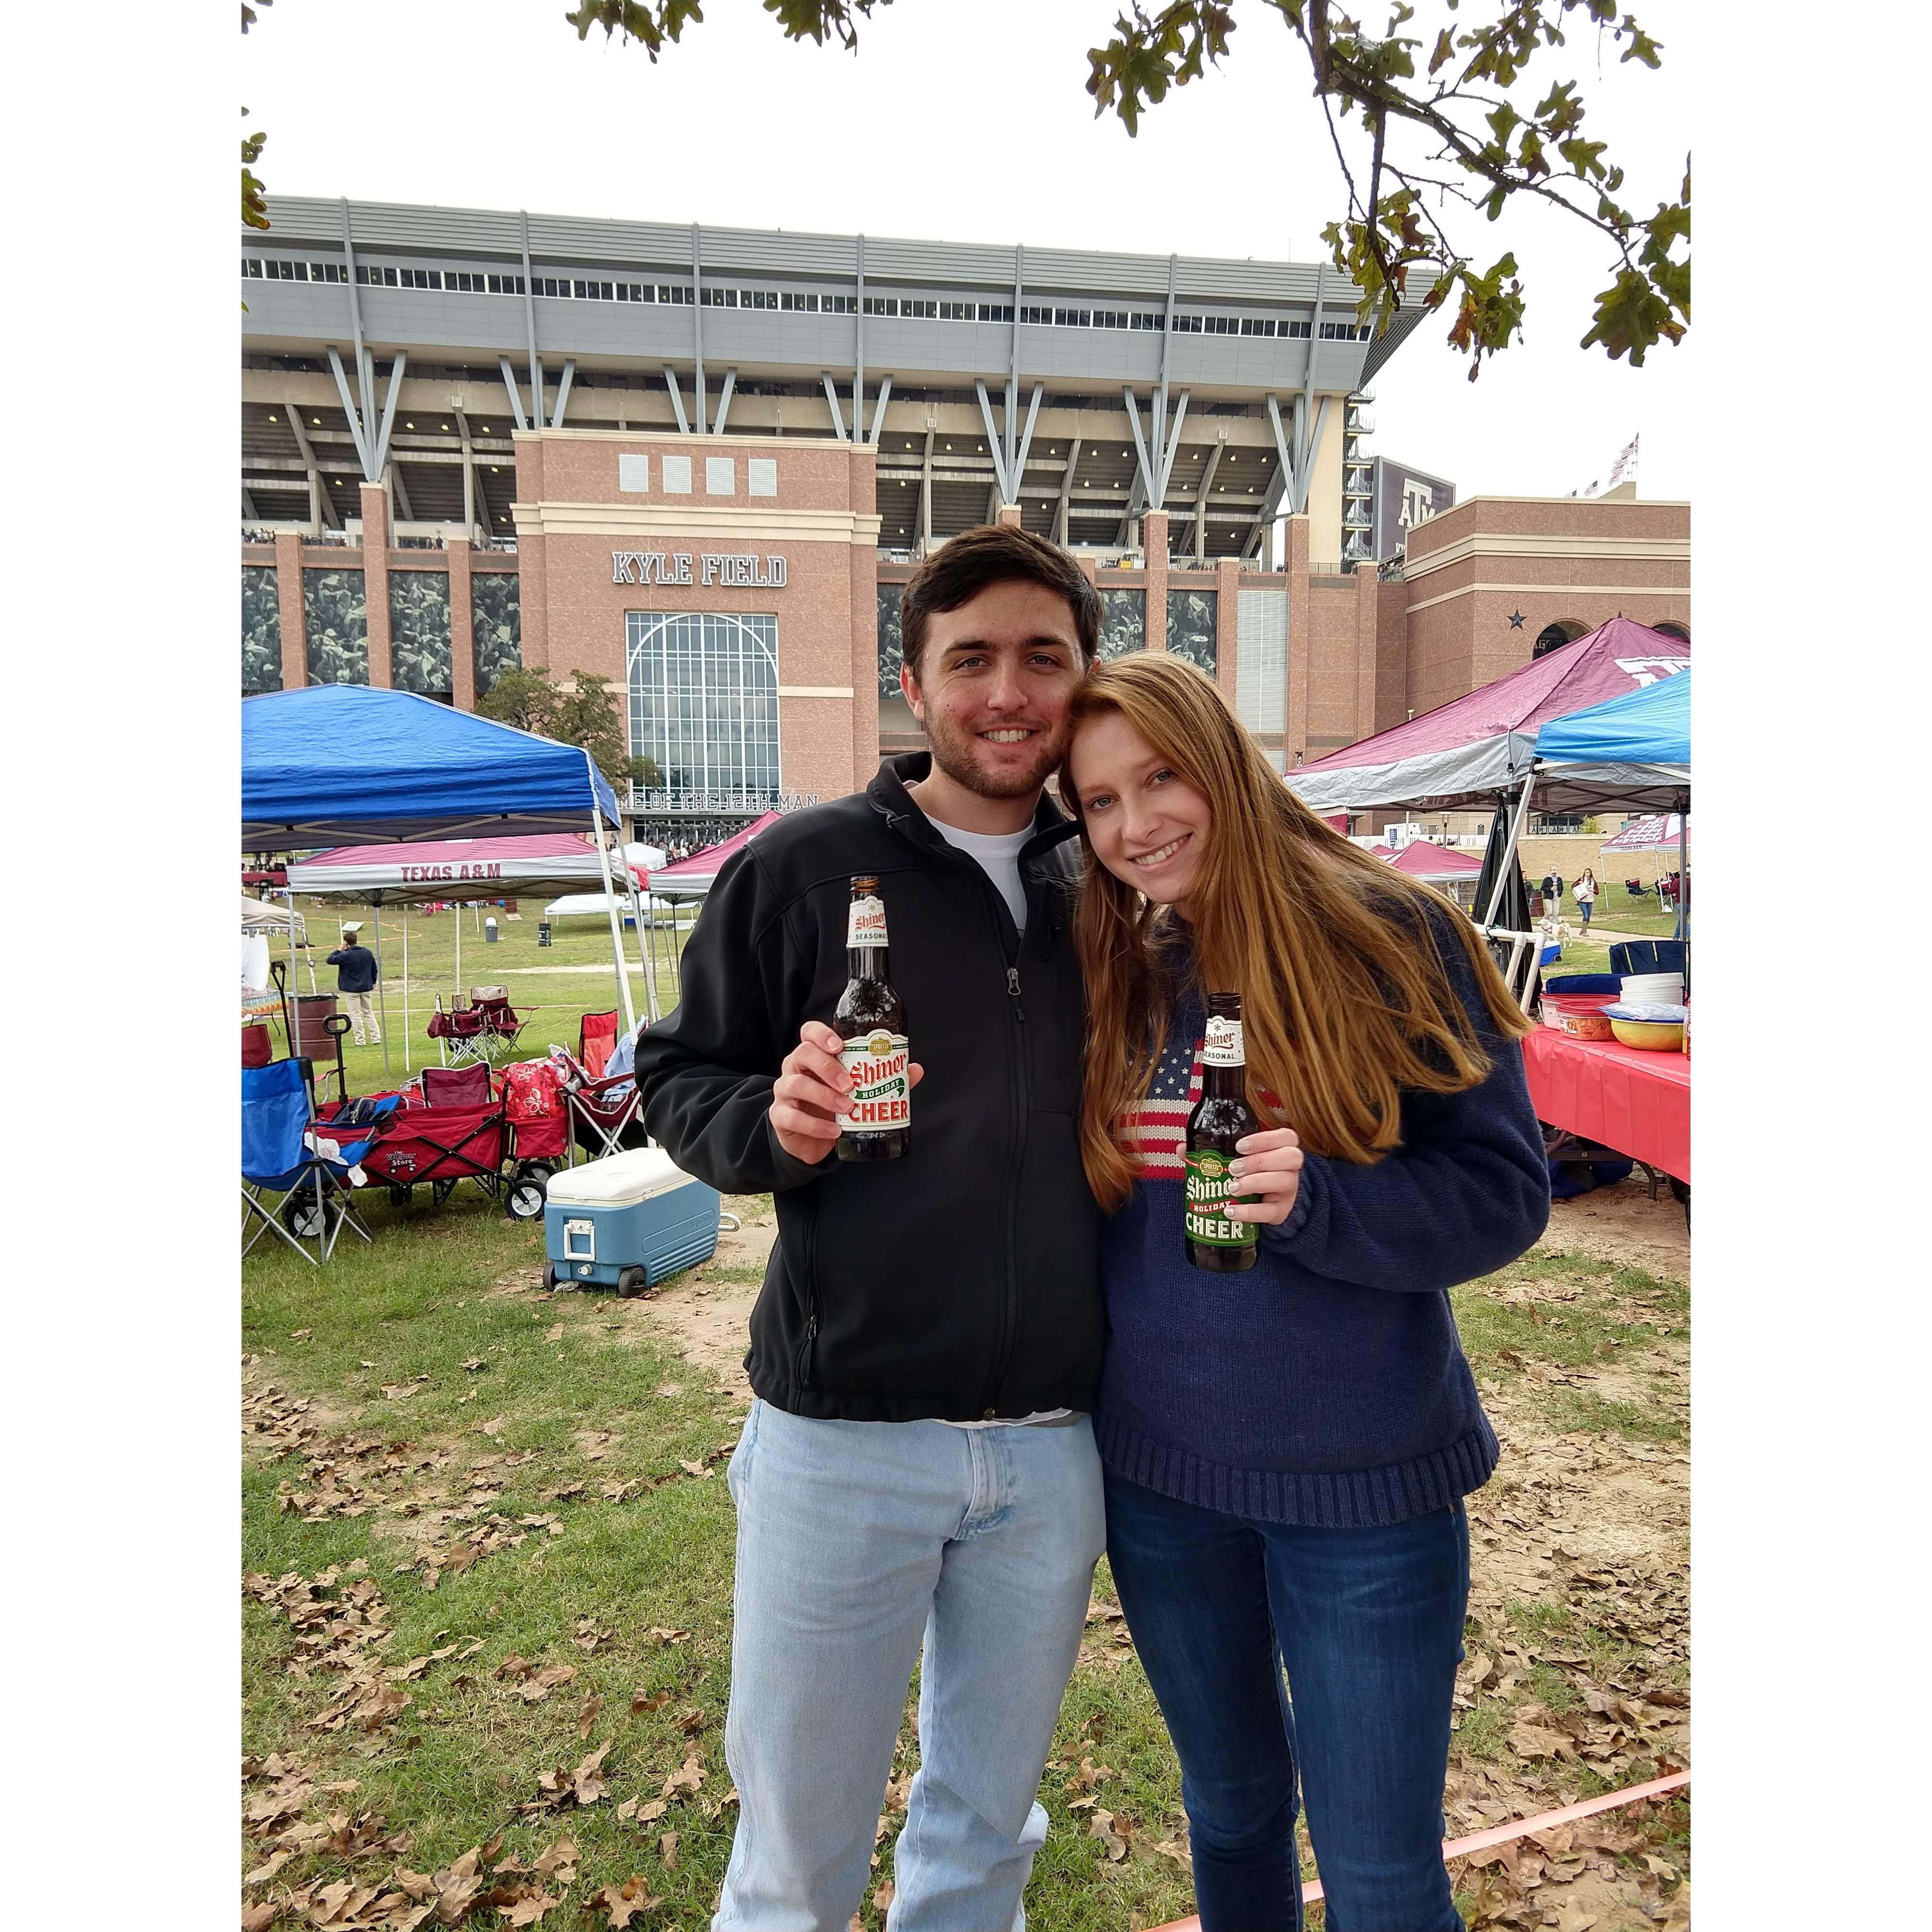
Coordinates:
1625	469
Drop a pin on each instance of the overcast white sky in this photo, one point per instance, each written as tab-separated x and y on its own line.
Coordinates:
967	120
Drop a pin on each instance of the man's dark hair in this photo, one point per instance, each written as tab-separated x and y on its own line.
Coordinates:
995	554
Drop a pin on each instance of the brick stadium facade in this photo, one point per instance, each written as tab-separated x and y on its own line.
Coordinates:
740	587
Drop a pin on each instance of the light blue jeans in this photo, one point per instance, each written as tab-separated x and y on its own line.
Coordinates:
856	1540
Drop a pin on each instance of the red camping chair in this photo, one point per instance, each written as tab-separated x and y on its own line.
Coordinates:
605	1115
486	1028
596	1041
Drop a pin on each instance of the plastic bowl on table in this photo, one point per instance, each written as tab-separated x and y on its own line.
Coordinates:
1653	1026
1577	1015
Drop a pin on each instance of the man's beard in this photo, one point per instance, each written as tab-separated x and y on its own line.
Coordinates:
956	753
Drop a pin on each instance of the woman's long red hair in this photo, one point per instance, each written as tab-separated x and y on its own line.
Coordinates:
1346	999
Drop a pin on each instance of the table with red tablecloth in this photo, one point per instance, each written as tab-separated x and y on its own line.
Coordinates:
1618	1097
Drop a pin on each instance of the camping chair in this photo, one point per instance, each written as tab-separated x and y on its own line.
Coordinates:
282	1152
596	1041
605	1114
501	1022
1636	889
467	1086
1651	955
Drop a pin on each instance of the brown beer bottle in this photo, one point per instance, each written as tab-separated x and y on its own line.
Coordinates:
871	1019
1221	1118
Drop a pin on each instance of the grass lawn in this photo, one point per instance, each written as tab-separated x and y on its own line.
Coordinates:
487	1547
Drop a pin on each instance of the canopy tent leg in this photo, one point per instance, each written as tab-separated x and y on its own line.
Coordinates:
616	922
406	991
1683	884
644	958
382	986
456	992
293	1027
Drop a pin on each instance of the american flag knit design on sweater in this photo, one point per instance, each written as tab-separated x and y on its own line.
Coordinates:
1155	1131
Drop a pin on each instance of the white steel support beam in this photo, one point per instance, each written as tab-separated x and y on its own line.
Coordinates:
1002	475
529	327
832	398
926	494
1171	448
381	451
1016	464
1065	509
321	508
562	391
698	326
1144	463
879	412
400	490
348	409
725	402
510	390
859	349
676	401
1201	499
1013	369
469	471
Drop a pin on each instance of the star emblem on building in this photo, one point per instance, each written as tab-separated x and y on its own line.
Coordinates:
1515	620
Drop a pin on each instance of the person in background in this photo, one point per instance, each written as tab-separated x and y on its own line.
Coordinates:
355	976
1586	890
1286	1449
1552	893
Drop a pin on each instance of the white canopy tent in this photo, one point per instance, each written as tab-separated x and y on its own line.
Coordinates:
462	871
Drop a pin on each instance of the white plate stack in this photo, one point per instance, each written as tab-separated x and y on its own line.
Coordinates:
1655	989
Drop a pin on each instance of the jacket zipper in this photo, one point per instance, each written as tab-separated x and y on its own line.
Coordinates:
1020	1089
1019	1097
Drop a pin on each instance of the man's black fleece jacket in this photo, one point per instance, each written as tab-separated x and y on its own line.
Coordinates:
959	1281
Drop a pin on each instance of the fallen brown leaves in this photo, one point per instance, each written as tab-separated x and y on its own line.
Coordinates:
625	1902
339	1630
558	1789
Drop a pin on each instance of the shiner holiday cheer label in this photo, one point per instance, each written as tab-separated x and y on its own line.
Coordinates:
1222	1047
866	924
1210	1189
877	1064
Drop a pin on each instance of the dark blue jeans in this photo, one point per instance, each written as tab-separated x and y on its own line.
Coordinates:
1368	1624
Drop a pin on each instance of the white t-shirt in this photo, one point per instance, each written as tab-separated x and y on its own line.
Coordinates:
998	854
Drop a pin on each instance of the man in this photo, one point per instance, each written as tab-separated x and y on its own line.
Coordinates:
918	1461
355	976
1553	891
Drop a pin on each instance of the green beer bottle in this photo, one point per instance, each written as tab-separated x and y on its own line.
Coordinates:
1221	1118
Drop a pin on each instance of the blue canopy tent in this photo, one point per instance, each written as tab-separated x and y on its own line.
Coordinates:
1634	752
1648	726
343	764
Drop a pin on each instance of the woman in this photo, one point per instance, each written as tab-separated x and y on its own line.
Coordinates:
1586	890
1286	1449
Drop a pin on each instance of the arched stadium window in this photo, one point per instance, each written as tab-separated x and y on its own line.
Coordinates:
1554	636
1673	630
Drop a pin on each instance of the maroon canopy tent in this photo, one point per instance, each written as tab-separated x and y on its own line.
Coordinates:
1464	752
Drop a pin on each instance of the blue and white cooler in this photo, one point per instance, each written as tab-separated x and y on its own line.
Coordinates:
627	1221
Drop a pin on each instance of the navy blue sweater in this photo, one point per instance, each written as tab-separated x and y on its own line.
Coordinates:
1326	1386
